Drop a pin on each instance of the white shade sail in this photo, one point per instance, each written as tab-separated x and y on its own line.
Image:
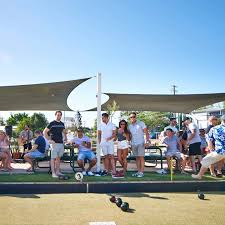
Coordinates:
162	103
47	96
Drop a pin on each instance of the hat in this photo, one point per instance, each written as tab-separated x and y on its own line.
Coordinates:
222	117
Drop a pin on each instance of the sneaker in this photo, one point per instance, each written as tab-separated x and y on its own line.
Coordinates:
60	174
117	175
89	173
104	173
140	175
55	176
97	175
196	176
84	173
220	175
134	174
162	171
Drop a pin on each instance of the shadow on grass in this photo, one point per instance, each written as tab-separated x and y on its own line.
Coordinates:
21	196
130	211
131	195
158	197
138	195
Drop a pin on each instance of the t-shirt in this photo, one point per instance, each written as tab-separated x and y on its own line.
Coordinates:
107	131
217	135
172	143
196	138
79	142
40	142
55	130
137	133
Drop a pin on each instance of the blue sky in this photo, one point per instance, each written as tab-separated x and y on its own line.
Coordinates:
140	46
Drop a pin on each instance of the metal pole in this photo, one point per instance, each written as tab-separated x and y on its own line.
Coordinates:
99	92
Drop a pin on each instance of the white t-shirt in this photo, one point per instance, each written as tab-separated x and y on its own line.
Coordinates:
137	133
81	141
196	138
107	131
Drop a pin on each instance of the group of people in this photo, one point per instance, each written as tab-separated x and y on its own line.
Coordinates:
135	136
209	143
208	146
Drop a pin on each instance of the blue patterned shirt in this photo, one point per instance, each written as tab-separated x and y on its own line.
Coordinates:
217	135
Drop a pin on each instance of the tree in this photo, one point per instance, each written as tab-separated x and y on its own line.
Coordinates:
38	121
78	121
112	108
22	123
153	120
2	123
14	119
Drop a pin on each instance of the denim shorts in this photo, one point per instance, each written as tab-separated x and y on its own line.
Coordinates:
86	155
35	154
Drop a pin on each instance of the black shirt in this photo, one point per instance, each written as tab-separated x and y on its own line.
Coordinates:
55	130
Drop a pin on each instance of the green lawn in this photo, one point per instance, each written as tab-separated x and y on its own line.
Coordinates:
149	176
81	209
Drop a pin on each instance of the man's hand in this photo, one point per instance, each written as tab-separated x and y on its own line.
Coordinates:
51	142
108	139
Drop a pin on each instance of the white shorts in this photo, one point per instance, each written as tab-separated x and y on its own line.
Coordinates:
57	150
122	145
179	155
107	148
211	158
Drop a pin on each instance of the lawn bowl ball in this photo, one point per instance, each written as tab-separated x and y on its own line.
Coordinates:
113	199
119	202
124	206
79	176
201	196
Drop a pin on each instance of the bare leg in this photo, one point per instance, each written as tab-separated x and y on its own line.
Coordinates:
81	164
192	158
119	154
168	162
138	163
124	159
29	160
142	164
220	166
112	163
212	170
92	163
53	165
106	163
57	165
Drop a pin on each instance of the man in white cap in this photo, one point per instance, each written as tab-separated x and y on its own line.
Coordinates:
217	136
